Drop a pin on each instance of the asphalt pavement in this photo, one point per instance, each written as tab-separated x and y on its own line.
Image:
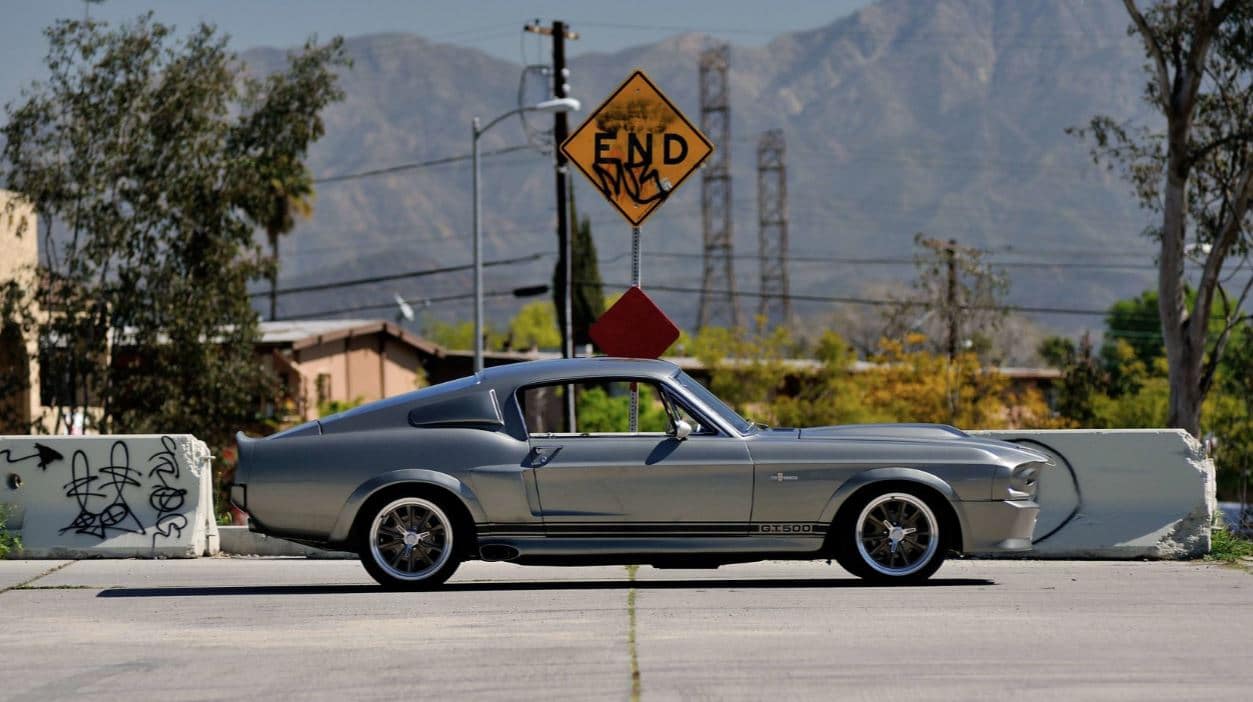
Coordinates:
255	628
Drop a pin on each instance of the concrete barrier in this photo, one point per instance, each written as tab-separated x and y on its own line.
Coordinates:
109	496
1121	493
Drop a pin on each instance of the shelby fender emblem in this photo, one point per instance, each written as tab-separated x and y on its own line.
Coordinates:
781	477
786	528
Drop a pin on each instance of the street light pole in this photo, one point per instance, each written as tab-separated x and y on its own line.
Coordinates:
478	253
563	104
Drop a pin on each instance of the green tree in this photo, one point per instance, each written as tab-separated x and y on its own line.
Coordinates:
289	197
1135	321
747	369
153	152
1229	416
535	327
1083	377
460	335
598	411
1196	173
1057	351
1125	371
284	121
9	543
830	394
587	302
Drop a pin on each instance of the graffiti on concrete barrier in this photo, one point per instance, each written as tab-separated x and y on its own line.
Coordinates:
114	492
106	486
165	498
102	493
43	456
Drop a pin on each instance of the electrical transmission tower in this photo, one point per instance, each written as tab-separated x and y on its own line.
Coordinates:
717	296
776	303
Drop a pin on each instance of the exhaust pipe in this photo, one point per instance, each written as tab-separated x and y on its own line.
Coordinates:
498	552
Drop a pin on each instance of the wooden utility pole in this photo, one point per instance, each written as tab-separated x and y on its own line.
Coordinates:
561	131
950	298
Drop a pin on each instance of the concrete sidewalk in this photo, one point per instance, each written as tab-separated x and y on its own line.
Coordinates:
294	628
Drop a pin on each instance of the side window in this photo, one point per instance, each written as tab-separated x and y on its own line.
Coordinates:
600	407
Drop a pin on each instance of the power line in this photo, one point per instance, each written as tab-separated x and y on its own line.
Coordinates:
520	292
392	305
399	168
889	261
1039	40
881	302
399	276
876	302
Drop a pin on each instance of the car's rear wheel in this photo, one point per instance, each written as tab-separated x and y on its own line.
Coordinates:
409	543
891	536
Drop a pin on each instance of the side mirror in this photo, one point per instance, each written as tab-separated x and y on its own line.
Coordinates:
682	429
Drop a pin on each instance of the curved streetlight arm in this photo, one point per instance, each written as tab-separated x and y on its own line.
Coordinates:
478	131
555	105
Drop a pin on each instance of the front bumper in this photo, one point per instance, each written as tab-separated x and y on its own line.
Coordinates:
998	527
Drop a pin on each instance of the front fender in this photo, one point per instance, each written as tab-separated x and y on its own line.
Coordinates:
879	475
419	476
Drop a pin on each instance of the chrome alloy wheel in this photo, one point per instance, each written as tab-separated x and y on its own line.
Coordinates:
411	538
897	534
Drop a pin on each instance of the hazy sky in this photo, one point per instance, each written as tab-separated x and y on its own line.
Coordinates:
491	25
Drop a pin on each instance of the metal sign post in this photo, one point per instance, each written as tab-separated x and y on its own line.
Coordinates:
636	149
635	281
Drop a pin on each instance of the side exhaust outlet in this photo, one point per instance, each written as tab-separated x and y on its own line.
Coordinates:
497	552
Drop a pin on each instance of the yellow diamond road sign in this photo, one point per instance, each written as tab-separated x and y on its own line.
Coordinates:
637	148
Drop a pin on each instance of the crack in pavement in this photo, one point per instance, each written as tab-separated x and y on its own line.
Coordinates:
631	647
44	574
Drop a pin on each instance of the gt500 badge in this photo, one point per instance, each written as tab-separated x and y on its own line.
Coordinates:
786	528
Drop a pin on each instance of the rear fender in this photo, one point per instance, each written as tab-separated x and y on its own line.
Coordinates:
412	476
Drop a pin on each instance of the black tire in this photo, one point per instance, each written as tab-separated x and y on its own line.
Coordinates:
891	535
408	542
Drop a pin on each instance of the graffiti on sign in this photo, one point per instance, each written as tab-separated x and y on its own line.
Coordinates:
637	148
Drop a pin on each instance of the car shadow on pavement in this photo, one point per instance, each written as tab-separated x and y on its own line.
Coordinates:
485	586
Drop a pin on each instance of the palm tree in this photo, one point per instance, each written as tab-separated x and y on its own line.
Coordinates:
288	198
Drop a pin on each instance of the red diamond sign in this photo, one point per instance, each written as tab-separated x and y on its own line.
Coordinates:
635	327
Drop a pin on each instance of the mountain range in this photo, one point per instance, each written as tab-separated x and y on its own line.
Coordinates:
945	117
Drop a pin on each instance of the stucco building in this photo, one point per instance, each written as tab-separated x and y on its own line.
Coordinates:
19	376
342	361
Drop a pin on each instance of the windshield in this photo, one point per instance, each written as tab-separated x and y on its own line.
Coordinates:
710	400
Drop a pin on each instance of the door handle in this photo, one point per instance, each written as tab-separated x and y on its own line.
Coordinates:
543	454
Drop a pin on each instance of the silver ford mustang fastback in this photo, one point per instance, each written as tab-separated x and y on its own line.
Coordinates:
541	463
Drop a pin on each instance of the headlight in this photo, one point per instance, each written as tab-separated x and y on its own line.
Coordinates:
1024	481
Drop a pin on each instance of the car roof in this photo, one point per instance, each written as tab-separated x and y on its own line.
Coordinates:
573	368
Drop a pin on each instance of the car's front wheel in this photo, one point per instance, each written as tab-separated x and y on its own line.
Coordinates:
409	543
892	536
